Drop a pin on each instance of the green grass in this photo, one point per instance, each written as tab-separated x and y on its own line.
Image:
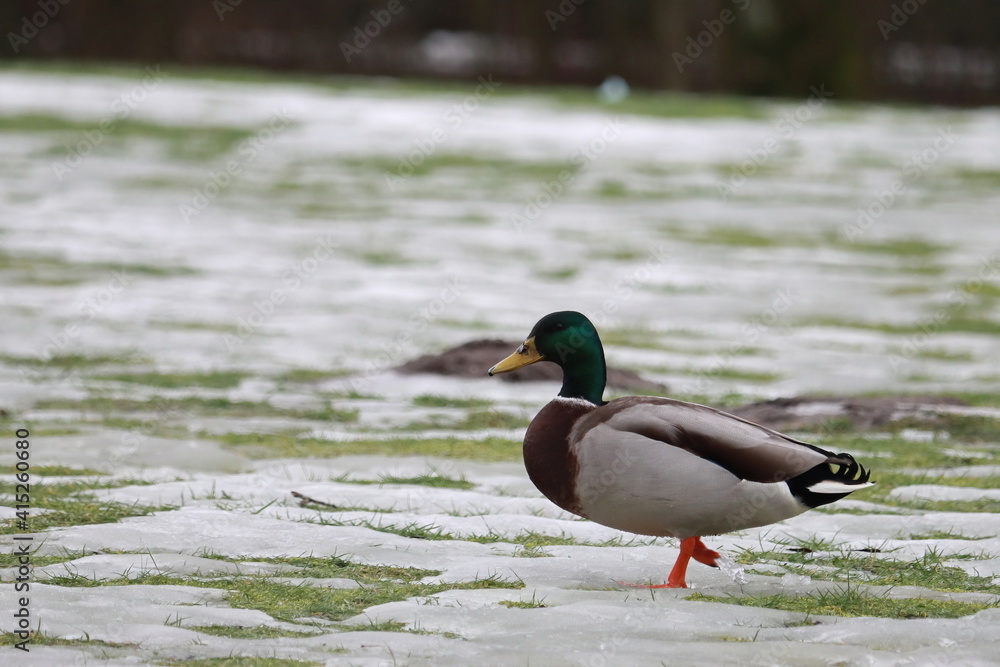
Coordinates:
852	601
532	551
731	236
941	354
726	401
432	480
612	189
153	427
987	399
474	420
436	401
72	361
287	603
81	512
985	178
9	639
238	632
209	406
42	471
383	258
964	428
929	571
950	324
191	325
8	558
194	143
71	505
939	535
917	251
909	290
484	167
416	531
533	603
309	375
641	338
982	505
984	290
483	419
314	567
557	274
532	542
384	626
55	270
727	373
435	480
257	445
241	661
334	567
622	253
905	247
211	380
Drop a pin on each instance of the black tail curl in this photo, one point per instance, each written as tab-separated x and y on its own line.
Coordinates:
838	468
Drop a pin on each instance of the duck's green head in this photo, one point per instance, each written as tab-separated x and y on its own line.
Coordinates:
569	339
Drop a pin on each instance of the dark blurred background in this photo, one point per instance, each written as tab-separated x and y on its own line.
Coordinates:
928	51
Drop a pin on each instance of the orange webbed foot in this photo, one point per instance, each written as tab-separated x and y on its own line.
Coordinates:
703	554
691	547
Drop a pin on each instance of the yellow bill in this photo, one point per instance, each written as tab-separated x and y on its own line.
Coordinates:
524	355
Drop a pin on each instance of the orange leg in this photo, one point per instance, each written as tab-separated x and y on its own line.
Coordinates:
677	574
691	547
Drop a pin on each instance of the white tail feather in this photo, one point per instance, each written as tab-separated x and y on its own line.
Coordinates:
829	486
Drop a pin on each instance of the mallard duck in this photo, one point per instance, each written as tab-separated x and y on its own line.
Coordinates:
657	466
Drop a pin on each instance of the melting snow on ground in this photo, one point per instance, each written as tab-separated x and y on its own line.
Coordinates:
310	257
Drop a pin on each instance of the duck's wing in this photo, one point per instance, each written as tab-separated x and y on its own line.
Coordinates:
745	449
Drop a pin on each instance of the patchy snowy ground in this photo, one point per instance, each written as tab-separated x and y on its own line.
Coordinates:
206	282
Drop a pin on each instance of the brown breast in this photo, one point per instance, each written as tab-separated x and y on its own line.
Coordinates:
550	461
